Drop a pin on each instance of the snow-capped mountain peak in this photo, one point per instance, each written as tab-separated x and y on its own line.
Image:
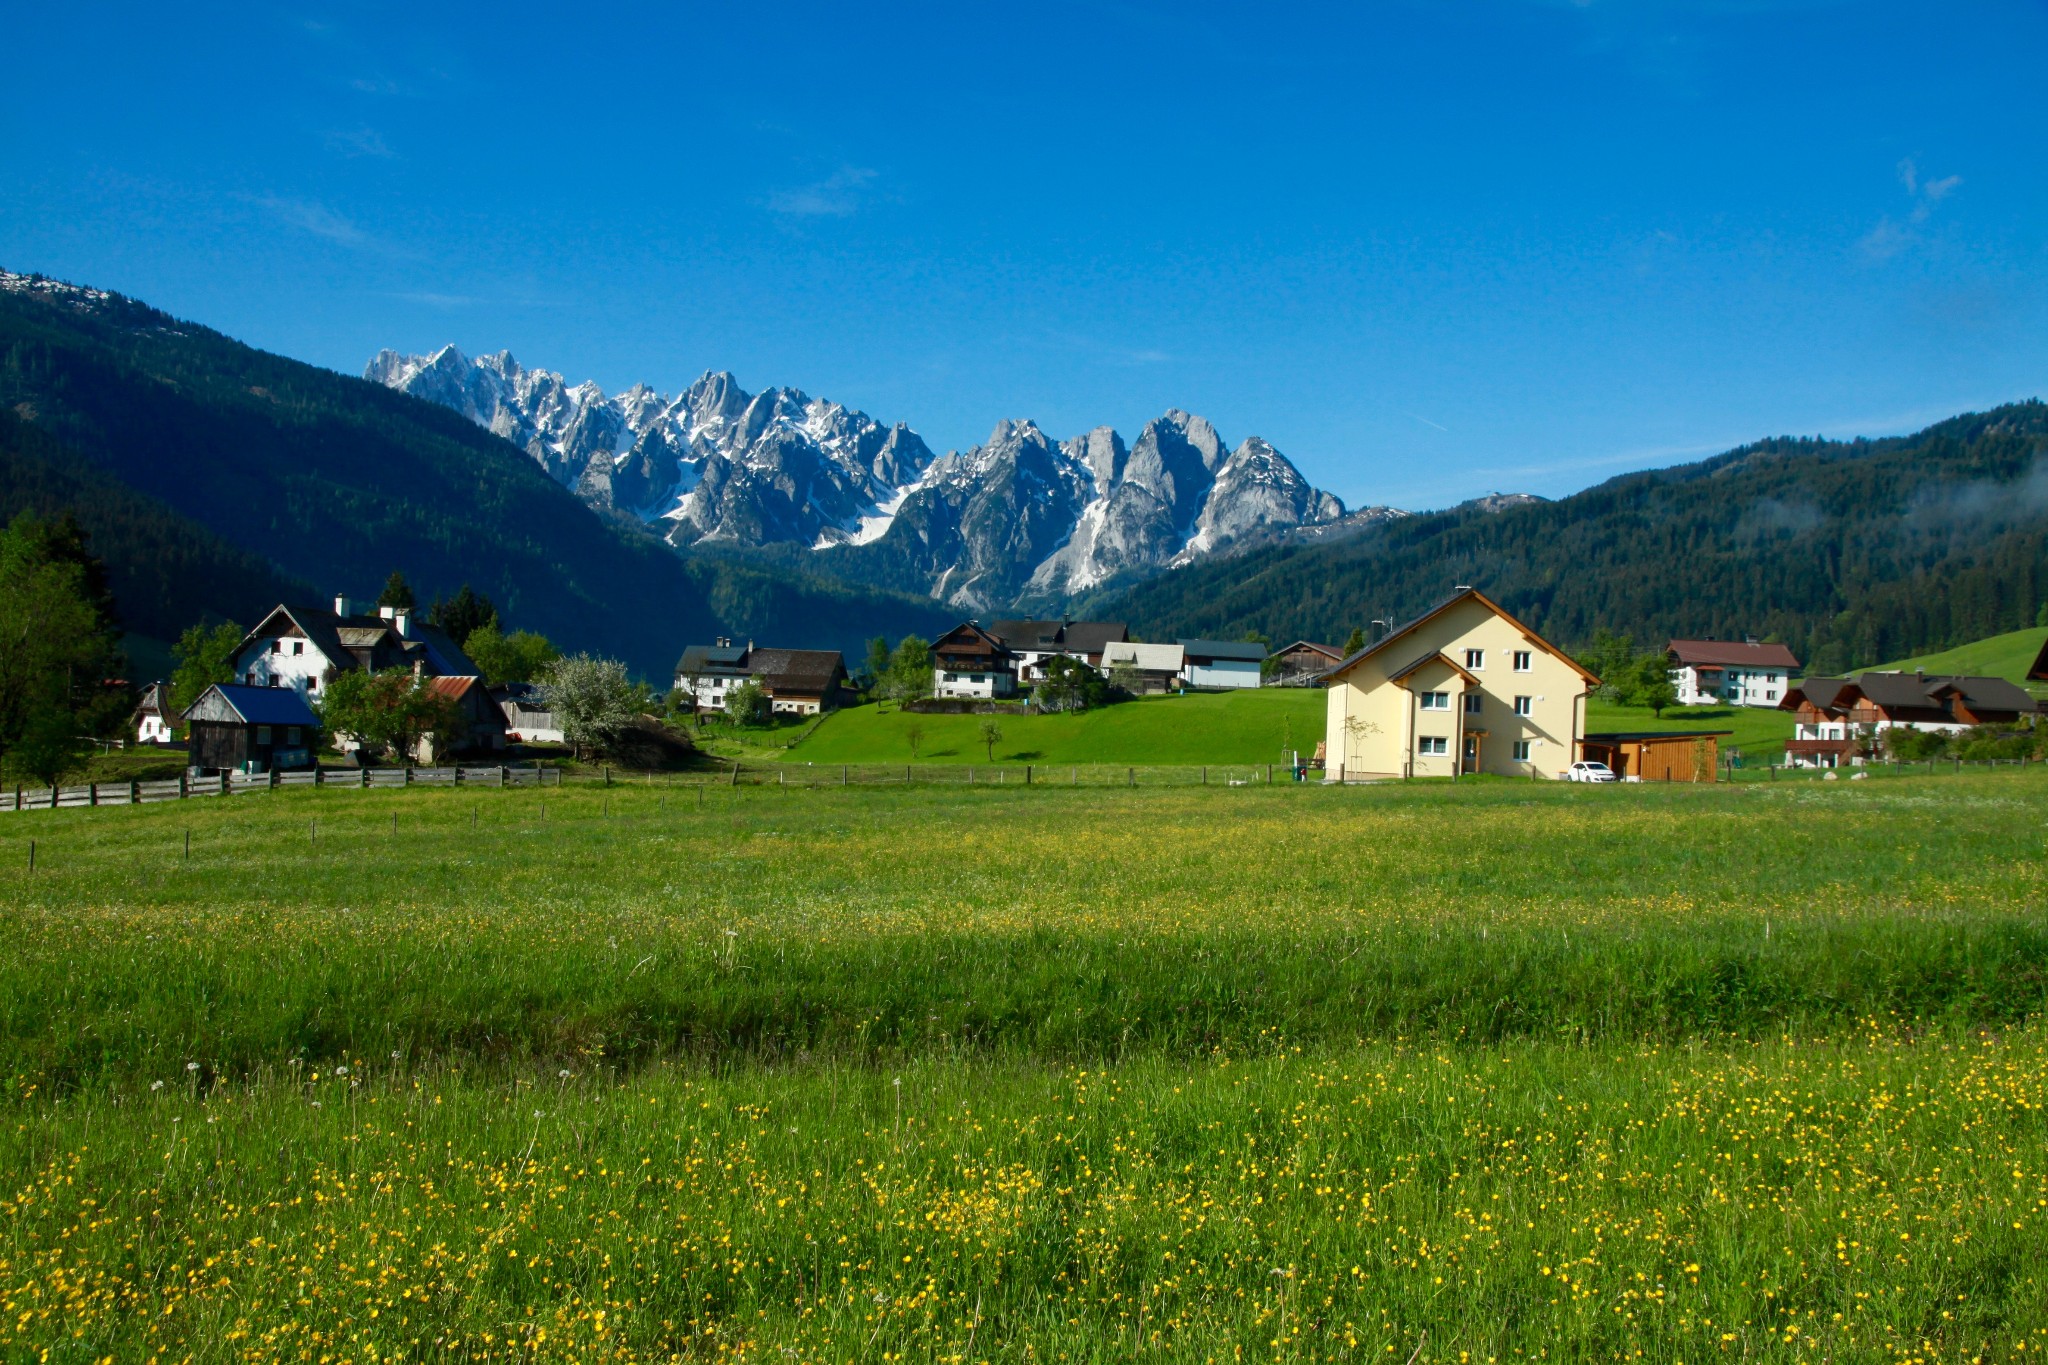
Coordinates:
1020	519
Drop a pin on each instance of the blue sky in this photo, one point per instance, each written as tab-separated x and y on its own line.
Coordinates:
1428	250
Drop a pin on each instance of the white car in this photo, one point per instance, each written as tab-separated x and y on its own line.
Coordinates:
1590	772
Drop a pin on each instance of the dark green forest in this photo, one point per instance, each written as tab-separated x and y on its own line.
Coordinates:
211	474
1851	552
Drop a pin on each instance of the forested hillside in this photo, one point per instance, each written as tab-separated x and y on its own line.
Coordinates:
333	482
1851	552
165	569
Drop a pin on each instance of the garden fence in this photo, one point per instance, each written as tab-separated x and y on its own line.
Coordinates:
242	784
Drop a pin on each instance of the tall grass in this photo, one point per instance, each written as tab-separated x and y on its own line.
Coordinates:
1506	1071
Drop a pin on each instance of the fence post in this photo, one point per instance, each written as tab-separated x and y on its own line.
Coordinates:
735	772
134	792
607	774
1132	774
906	774
1027	774
92	793
1269	774
845	775
1205	774
181	790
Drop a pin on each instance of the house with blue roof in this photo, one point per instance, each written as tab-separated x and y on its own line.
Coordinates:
233	726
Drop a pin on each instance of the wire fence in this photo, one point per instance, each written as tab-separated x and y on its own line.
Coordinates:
137	793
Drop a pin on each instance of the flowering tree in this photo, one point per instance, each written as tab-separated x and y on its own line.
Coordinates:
593	700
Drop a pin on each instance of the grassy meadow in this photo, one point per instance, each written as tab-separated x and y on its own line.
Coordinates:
1258	725
1501	1071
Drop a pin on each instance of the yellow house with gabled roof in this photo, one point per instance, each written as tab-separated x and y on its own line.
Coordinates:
1464	688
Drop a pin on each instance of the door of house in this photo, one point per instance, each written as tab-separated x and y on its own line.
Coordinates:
1471	764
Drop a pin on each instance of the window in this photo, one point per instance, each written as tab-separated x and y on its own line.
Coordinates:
1475	702
1432	744
291	736
263	734
952	677
1475	658
1521	751
1771	695
250	678
298	646
1524	706
1524	660
277	646
1435	701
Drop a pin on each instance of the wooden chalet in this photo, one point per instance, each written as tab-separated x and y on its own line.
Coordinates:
485	731
1304	661
968	661
1837	719
235	727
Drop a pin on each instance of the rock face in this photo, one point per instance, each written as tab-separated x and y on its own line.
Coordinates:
1021	519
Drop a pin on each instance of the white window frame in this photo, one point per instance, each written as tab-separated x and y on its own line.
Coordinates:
1525	706
1435	701
1520	751
1525	660
1432	746
1475	659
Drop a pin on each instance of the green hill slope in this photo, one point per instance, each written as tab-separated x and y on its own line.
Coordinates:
335	481
1848	551
1254	726
2007	656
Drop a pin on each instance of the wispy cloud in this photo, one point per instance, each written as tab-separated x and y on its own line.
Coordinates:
363	141
1891	237
841	194
444	302
315	218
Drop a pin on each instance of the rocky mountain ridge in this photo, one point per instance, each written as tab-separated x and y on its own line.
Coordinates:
1021	519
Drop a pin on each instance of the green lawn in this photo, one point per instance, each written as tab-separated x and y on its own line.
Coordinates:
2007	656
1414	1073
1758	733
1254	726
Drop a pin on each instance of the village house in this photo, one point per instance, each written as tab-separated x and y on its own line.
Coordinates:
1730	673
1304	662
1837	720
251	729
968	661
304	648
1033	643
1222	663
154	723
801	682
1464	688
1148	668
484	720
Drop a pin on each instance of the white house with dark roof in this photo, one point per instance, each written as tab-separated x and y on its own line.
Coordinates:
1730	672
1222	663
303	647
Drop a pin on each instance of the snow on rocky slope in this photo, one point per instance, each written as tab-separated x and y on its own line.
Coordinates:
1020	518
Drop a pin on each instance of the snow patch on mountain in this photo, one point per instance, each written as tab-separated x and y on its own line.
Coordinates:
1019	519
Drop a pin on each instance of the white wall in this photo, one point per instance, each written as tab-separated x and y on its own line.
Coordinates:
953	683
1222	673
297	664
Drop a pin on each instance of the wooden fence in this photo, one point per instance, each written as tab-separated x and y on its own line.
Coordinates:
242	784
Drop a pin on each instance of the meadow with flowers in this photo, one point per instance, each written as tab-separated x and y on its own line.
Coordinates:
1505	1071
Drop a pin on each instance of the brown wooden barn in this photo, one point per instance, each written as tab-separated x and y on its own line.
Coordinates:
251	729
1659	755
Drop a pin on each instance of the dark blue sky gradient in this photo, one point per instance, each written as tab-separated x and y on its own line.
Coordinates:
1427	250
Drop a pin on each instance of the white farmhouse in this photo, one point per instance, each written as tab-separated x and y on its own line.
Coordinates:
1729	672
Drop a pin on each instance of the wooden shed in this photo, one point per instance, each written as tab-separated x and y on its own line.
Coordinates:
251	729
1659	755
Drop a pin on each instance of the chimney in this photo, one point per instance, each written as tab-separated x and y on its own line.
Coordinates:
401	621
342	606
1750	640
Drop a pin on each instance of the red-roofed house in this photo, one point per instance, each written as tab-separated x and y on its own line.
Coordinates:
486	718
1730	672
